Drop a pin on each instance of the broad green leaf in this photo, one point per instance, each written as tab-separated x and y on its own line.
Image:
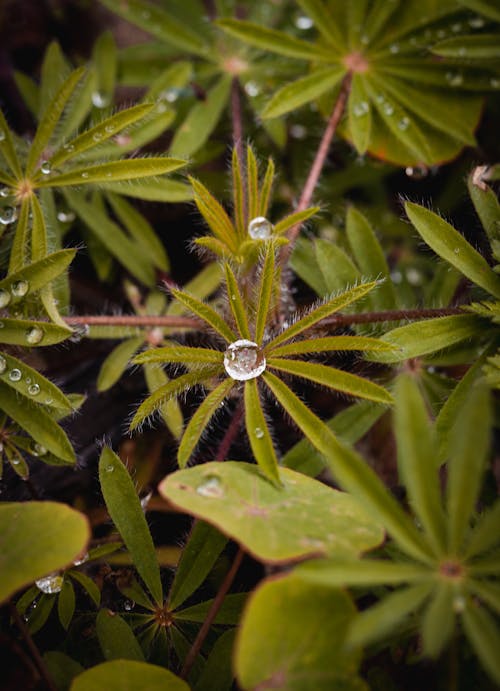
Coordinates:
303	91
258	432
266	287
365	573
171	389
379	620
468	457
417	460
336	379
482	46
269	520
206	313
482	631
62	668
201	419
39	273
324	310
87	583
116	363
360	114
236	303
370	258
274	41
217	674
128	675
351	471
453	247
303	262
8	149
202	550
38	423
32	384
346	273
201	120
114	172
126	512
485	534
116	638
50	119
61	535
282	620
330	343
438	620
170	410
179	353
66	603
427	336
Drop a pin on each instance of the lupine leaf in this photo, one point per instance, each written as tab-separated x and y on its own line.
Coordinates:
360	114
303	91
438	620
20	243
126	512
178	353
485	534
487	7
62	668
15	332
293	219
116	363
34	385
7	148
265	292
104	60
214	214
206	313
236	303
329	343
116	638
325	22
155	189
229	613
66	603
252	184
29	91
117	675
39	273
487	207
238	194
217	674
88	584
265	190
258	432
483	46
482	631
61	535
361	573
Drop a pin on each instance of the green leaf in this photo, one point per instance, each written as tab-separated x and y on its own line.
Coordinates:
229	614
198	557
417	460
360	114
469	448
238	194
214	214
87	583
273	40
453	247
482	47
206	313
62	668
217	674
380	619
33	385
252	183
28	88
485	203
201	120
104	59
179	353
427	336
351	471
201	419
336	379
126	512
38	618
482	631
39	273
303	91
330	343
293	219
50	119
266	188
8	149
39	424
324	310
266	287
116	638
236	303
268	520
66	603
488	591
116	363
258	432
326	22
170	410
266	658
114	171
20	243
487	7
61	535
485	534
118	675
365	573
54	71
155	190
438	620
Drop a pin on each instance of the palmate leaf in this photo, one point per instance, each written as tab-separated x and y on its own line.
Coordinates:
133	675
303	91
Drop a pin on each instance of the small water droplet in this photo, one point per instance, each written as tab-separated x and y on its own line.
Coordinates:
416	172
85	175
459	604
46	168
65	216
495	83
396	277
457	250
380	98
298	131
28	380
476	22
5	192
5	298
441	33
3	364
8	215
34	335
456	28
252	89
15	374
260	228
38	450
454	78
365	40
243	360
99	99
81	560
394	48
69	147
1	447
20	288
97	136
2	135
361	108
388	108
110	468
128	605
404	123
304	22
211	487
109	129
259	433
49	401
2	325
170	95
414	277
50	584
33	390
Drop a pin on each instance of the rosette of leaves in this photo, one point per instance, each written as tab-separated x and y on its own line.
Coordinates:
443	575
254	355
404	104
94	159
233	238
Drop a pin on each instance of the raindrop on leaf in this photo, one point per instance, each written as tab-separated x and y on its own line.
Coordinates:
50	584
211	487
244	360
260	228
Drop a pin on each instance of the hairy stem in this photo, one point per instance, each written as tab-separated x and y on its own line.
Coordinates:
42	669
212	613
132	320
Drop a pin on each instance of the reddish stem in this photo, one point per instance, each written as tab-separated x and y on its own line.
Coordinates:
389	316
131	320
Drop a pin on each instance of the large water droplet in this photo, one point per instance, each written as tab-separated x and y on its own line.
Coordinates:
46	168
50	584
304	22
15	374
5	298
20	288
8	215
244	360
38	450
34	335
33	389
5	192
99	99
361	108
260	228
259	433
128	605
3	364
81	560
211	487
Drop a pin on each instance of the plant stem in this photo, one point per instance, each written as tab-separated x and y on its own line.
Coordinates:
389	316
132	320
319	161
42	669
212	613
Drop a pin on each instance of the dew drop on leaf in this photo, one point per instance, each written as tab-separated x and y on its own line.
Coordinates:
15	374
244	360
8	215
259	433
388	108
33	390
128	605
5	192
304	22
360	109
110	468
454	78
65	216
3	364
46	168
211	487
251	89
38	450
260	228
69	148
99	100
4	298
50	584
85	175
476	22
20	288
416	172
404	123
97	136
34	335
81	560
394	48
